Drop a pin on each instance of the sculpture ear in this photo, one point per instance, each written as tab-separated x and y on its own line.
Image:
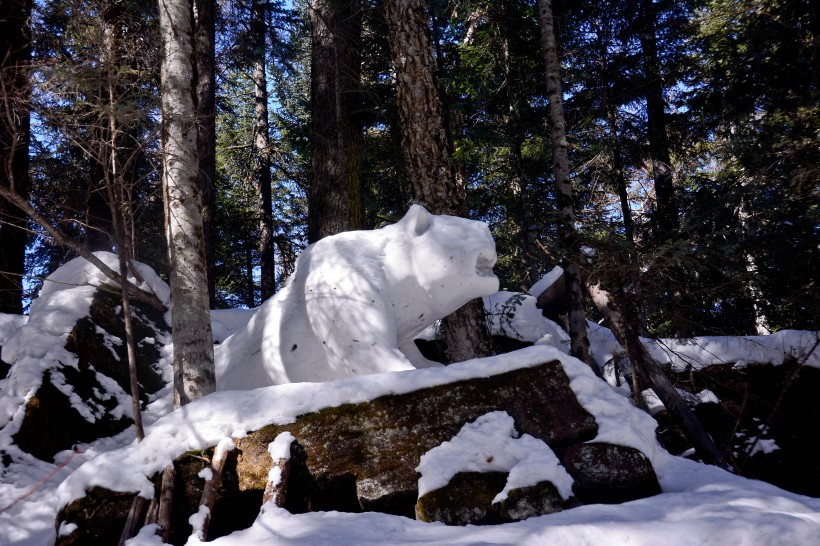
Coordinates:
418	220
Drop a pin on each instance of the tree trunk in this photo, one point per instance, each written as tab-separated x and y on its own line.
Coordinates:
424	138
261	143
205	37
426	153
194	375
15	134
579	342
335	199
666	213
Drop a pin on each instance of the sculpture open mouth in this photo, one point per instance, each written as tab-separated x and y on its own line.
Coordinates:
484	264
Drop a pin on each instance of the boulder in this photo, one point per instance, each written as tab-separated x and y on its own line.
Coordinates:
363	457
468	500
606	473
759	420
88	400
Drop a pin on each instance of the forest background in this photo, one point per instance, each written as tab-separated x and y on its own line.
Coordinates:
691	138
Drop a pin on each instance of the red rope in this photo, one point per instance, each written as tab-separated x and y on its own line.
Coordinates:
39	484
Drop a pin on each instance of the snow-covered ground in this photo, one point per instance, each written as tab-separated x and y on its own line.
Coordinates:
699	504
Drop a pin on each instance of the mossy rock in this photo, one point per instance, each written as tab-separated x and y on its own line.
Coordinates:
468	500
363	456
99	518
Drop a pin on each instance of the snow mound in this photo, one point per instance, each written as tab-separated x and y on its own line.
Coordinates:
491	444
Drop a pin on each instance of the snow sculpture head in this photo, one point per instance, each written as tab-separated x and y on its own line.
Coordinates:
357	299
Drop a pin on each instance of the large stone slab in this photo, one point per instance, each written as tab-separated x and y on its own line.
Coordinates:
364	455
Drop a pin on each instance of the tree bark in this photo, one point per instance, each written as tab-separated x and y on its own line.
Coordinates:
194	374
15	134
426	153
424	138
261	142
205	38
579	342
666	213
335	197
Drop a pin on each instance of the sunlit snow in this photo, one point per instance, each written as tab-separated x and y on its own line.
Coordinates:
699	505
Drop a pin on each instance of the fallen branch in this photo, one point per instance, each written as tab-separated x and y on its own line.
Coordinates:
136	516
622	322
166	499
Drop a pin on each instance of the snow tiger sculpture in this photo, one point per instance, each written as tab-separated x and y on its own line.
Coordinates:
357	299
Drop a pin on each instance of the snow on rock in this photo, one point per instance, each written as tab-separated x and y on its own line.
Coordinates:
547	280
357	299
491	444
514	315
39	344
205	422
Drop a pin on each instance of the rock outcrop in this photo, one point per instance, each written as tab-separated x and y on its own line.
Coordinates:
363	457
89	399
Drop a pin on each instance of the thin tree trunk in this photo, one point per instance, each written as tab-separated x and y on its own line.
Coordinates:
205	37
261	142
579	341
120	212
194	374
15	134
614	145
335	199
666	214
520	211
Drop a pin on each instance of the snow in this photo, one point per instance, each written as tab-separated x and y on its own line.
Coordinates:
356	300
491	444
279	450
226	322
699	504
514	315
546	281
